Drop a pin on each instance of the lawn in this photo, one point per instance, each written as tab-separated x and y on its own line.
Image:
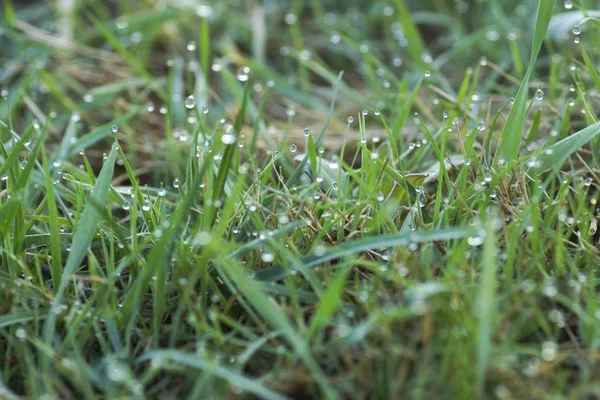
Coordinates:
297	199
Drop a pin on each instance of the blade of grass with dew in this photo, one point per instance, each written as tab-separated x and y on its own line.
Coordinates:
15	152
130	58
101	132
329	302
7	214
404	111
486	306
274	316
336	87
251	385
416	46
513	129
276	273
227	160
82	238
55	250
562	150
31	159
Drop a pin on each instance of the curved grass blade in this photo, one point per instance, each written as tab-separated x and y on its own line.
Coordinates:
276	273
227	159
560	151
336	88
274	316
82	237
513	130
247	384
55	250
100	132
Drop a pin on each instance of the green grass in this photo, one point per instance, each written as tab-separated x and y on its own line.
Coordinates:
306	200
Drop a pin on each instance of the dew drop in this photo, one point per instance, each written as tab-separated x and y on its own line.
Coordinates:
267	257
243	74
190	102
228	138
539	95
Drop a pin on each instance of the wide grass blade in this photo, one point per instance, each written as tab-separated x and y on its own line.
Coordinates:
236	379
485	307
513	130
274	316
82	238
56	270
276	273
562	150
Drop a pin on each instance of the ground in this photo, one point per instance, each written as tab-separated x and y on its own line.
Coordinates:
385	199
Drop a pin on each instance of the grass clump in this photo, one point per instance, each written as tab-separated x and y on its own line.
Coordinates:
295	200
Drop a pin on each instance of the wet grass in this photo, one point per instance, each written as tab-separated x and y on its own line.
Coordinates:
299	200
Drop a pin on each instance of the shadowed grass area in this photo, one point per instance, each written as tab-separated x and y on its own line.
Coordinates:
299	199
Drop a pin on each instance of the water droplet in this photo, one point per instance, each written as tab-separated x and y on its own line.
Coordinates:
267	257
21	333
243	74
568	4
365	112
202	238
350	119
88	98
306	131
191	46
549	350
176	183
190	102
475	241
293	148
114	128
539	95
427	74
204	11
377	112
228	138
290	19
126	206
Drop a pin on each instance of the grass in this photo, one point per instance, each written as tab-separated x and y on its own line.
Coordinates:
299	199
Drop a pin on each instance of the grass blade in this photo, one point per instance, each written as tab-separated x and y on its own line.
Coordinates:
276	273
562	150
513	130
84	233
243	382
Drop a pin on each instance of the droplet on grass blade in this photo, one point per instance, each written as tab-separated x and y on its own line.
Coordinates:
190	102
